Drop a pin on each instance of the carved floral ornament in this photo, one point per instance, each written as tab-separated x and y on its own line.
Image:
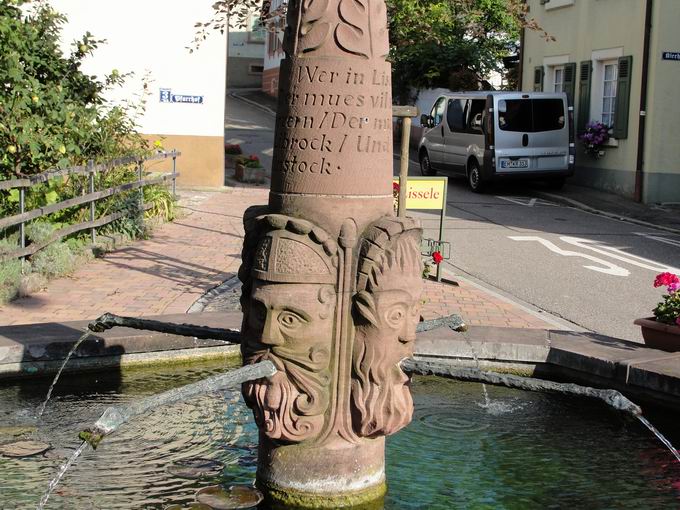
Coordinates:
338	375
325	28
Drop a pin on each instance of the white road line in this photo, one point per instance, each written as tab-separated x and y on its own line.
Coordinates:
656	237
619	255
528	202
610	269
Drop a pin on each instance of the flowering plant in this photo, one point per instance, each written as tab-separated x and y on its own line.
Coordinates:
668	310
251	161
232	148
594	137
395	195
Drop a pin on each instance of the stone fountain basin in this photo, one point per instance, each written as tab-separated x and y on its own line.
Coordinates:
521	450
643	374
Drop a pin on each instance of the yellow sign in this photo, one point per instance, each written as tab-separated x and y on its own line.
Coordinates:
425	192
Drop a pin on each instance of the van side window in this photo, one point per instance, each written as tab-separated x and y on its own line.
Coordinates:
476	112
455	115
437	112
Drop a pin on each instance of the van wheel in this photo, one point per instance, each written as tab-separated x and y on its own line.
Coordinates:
425	166
474	176
556	183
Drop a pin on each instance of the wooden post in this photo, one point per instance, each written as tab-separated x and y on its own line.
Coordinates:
90	177
405	112
174	174
22	226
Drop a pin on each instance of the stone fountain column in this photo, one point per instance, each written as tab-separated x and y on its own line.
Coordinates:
331	278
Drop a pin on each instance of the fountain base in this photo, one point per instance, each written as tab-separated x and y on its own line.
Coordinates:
336	474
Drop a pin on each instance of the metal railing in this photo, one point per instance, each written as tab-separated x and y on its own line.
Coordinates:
91	197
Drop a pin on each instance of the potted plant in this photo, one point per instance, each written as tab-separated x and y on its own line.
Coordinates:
249	168
663	330
594	138
231	152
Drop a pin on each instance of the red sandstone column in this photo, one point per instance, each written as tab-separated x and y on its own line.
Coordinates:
331	279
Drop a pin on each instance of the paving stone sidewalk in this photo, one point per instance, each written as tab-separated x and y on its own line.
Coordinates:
184	259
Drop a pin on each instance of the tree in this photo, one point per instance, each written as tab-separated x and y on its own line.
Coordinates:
51	113
433	43
451	43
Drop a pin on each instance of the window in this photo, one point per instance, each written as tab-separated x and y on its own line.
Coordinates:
257	32
455	114
437	112
255	69
474	122
558	79
609	81
531	115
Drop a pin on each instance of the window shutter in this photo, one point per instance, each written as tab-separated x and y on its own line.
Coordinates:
585	72
570	81
538	79
620	129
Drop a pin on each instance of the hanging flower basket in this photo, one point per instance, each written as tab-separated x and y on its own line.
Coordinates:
663	330
594	138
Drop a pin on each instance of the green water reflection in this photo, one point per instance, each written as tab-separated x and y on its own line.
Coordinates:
527	451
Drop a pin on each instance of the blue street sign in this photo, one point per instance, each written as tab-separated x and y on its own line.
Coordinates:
670	55
166	96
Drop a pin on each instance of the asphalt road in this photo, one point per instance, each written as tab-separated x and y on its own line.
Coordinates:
590	270
594	272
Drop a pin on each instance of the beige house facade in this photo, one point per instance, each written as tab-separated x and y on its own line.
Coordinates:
619	62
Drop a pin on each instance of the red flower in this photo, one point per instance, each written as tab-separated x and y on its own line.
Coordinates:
437	257
665	279
253	157
395	187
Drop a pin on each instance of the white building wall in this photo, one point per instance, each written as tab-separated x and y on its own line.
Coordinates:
151	37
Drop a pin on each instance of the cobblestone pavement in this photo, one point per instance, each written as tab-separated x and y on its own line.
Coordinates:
162	275
186	258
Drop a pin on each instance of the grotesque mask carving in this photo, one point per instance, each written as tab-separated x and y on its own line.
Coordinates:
289	303
386	314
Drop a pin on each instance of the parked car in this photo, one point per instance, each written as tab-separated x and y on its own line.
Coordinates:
487	136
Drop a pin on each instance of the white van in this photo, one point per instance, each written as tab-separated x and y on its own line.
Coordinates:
486	136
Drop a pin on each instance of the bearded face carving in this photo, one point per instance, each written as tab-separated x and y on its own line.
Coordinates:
289	320
386	314
290	324
332	380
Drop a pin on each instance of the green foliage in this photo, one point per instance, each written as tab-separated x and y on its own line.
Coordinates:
10	271
441	43
668	310
162	203
51	113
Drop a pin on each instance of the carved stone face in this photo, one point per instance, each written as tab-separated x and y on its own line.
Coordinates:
385	335
386	313
290	324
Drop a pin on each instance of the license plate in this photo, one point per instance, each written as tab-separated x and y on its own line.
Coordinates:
514	163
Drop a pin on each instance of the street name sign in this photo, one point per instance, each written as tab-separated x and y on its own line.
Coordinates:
166	96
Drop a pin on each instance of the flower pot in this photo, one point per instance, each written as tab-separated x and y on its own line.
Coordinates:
239	172
230	160
659	335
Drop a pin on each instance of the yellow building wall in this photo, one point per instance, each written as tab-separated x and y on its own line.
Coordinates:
580	29
662	141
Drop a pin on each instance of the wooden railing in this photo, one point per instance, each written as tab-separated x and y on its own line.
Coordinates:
91	197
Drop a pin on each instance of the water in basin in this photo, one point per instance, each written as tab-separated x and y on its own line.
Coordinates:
524	451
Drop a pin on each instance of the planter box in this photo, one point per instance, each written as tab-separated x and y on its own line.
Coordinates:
230	160
243	173
658	335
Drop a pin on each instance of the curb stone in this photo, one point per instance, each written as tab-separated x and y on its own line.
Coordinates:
584	207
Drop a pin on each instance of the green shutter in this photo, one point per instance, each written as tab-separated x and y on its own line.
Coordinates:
585	72
570	81
538	78
620	129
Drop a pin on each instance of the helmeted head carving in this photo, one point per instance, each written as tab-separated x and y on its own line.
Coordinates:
386	311
288	303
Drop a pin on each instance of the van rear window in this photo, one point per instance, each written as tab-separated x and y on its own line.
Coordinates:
530	115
